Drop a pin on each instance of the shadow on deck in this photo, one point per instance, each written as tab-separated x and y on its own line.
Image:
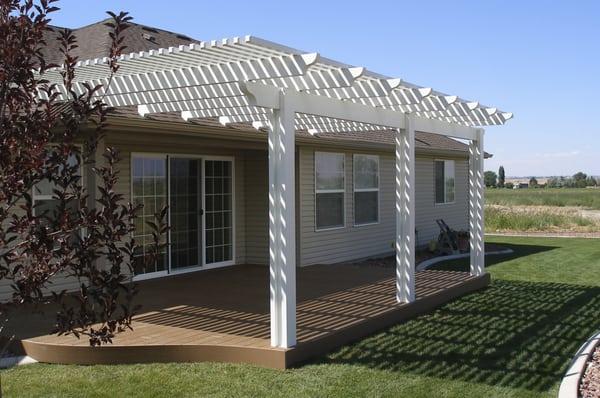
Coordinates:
223	315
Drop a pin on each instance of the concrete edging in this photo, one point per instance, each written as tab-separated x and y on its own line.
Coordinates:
9	362
423	265
569	386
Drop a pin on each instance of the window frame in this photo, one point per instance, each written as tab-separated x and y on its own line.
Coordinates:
325	191
35	197
355	190
445	202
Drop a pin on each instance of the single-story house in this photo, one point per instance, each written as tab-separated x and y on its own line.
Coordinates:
272	156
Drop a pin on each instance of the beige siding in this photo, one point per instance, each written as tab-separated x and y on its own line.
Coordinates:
455	214
354	242
257	207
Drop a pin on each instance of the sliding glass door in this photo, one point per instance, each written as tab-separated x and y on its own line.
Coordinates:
199	193
185	207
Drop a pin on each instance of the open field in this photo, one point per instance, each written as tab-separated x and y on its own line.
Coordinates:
513	339
556	197
549	219
543	210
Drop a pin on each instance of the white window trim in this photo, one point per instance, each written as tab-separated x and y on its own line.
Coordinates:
355	224
318	191
445	202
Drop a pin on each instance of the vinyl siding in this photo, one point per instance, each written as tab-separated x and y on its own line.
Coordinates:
356	242
455	214
256	187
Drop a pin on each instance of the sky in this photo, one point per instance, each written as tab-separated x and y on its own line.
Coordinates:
537	59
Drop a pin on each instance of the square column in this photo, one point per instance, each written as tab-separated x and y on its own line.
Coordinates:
282	224
405	212
476	205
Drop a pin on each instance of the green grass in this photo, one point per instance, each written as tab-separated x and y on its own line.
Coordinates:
513	339
579	197
536	219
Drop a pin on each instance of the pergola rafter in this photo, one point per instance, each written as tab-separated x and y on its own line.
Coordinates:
206	75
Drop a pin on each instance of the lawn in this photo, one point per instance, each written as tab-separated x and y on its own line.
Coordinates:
557	197
513	339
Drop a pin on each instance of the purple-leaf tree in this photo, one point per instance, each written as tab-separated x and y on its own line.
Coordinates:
50	134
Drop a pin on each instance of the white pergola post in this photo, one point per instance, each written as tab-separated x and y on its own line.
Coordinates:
282	224
476	204
405	212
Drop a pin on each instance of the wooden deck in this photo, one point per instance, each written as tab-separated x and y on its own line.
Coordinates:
223	315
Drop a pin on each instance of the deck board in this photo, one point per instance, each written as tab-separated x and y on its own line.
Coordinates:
223	315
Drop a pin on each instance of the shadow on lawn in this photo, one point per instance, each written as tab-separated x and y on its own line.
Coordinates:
519	251
513	334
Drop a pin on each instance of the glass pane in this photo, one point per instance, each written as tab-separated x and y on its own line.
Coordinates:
138	167
148	189
218	206
366	170
449	178
439	182
185	216
366	207
330	210
329	170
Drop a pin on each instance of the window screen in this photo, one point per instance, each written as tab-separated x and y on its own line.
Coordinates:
444	181
329	190
366	189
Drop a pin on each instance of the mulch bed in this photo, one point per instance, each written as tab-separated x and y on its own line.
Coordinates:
590	384
420	256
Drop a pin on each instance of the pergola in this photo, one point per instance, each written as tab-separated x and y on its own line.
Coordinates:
281	89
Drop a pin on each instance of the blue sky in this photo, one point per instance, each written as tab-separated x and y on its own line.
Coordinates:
537	59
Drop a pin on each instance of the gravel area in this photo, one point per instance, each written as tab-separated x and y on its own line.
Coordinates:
590	384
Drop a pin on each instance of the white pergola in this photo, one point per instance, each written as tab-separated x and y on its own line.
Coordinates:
282	89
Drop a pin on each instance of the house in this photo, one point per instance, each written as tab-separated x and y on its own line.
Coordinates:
261	162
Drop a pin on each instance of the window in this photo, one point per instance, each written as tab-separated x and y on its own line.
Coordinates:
444	181
44	201
329	190
149	188
366	189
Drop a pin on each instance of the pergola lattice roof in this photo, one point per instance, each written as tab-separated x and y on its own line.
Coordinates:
205	80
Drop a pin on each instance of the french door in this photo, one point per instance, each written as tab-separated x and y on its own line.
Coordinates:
199	194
